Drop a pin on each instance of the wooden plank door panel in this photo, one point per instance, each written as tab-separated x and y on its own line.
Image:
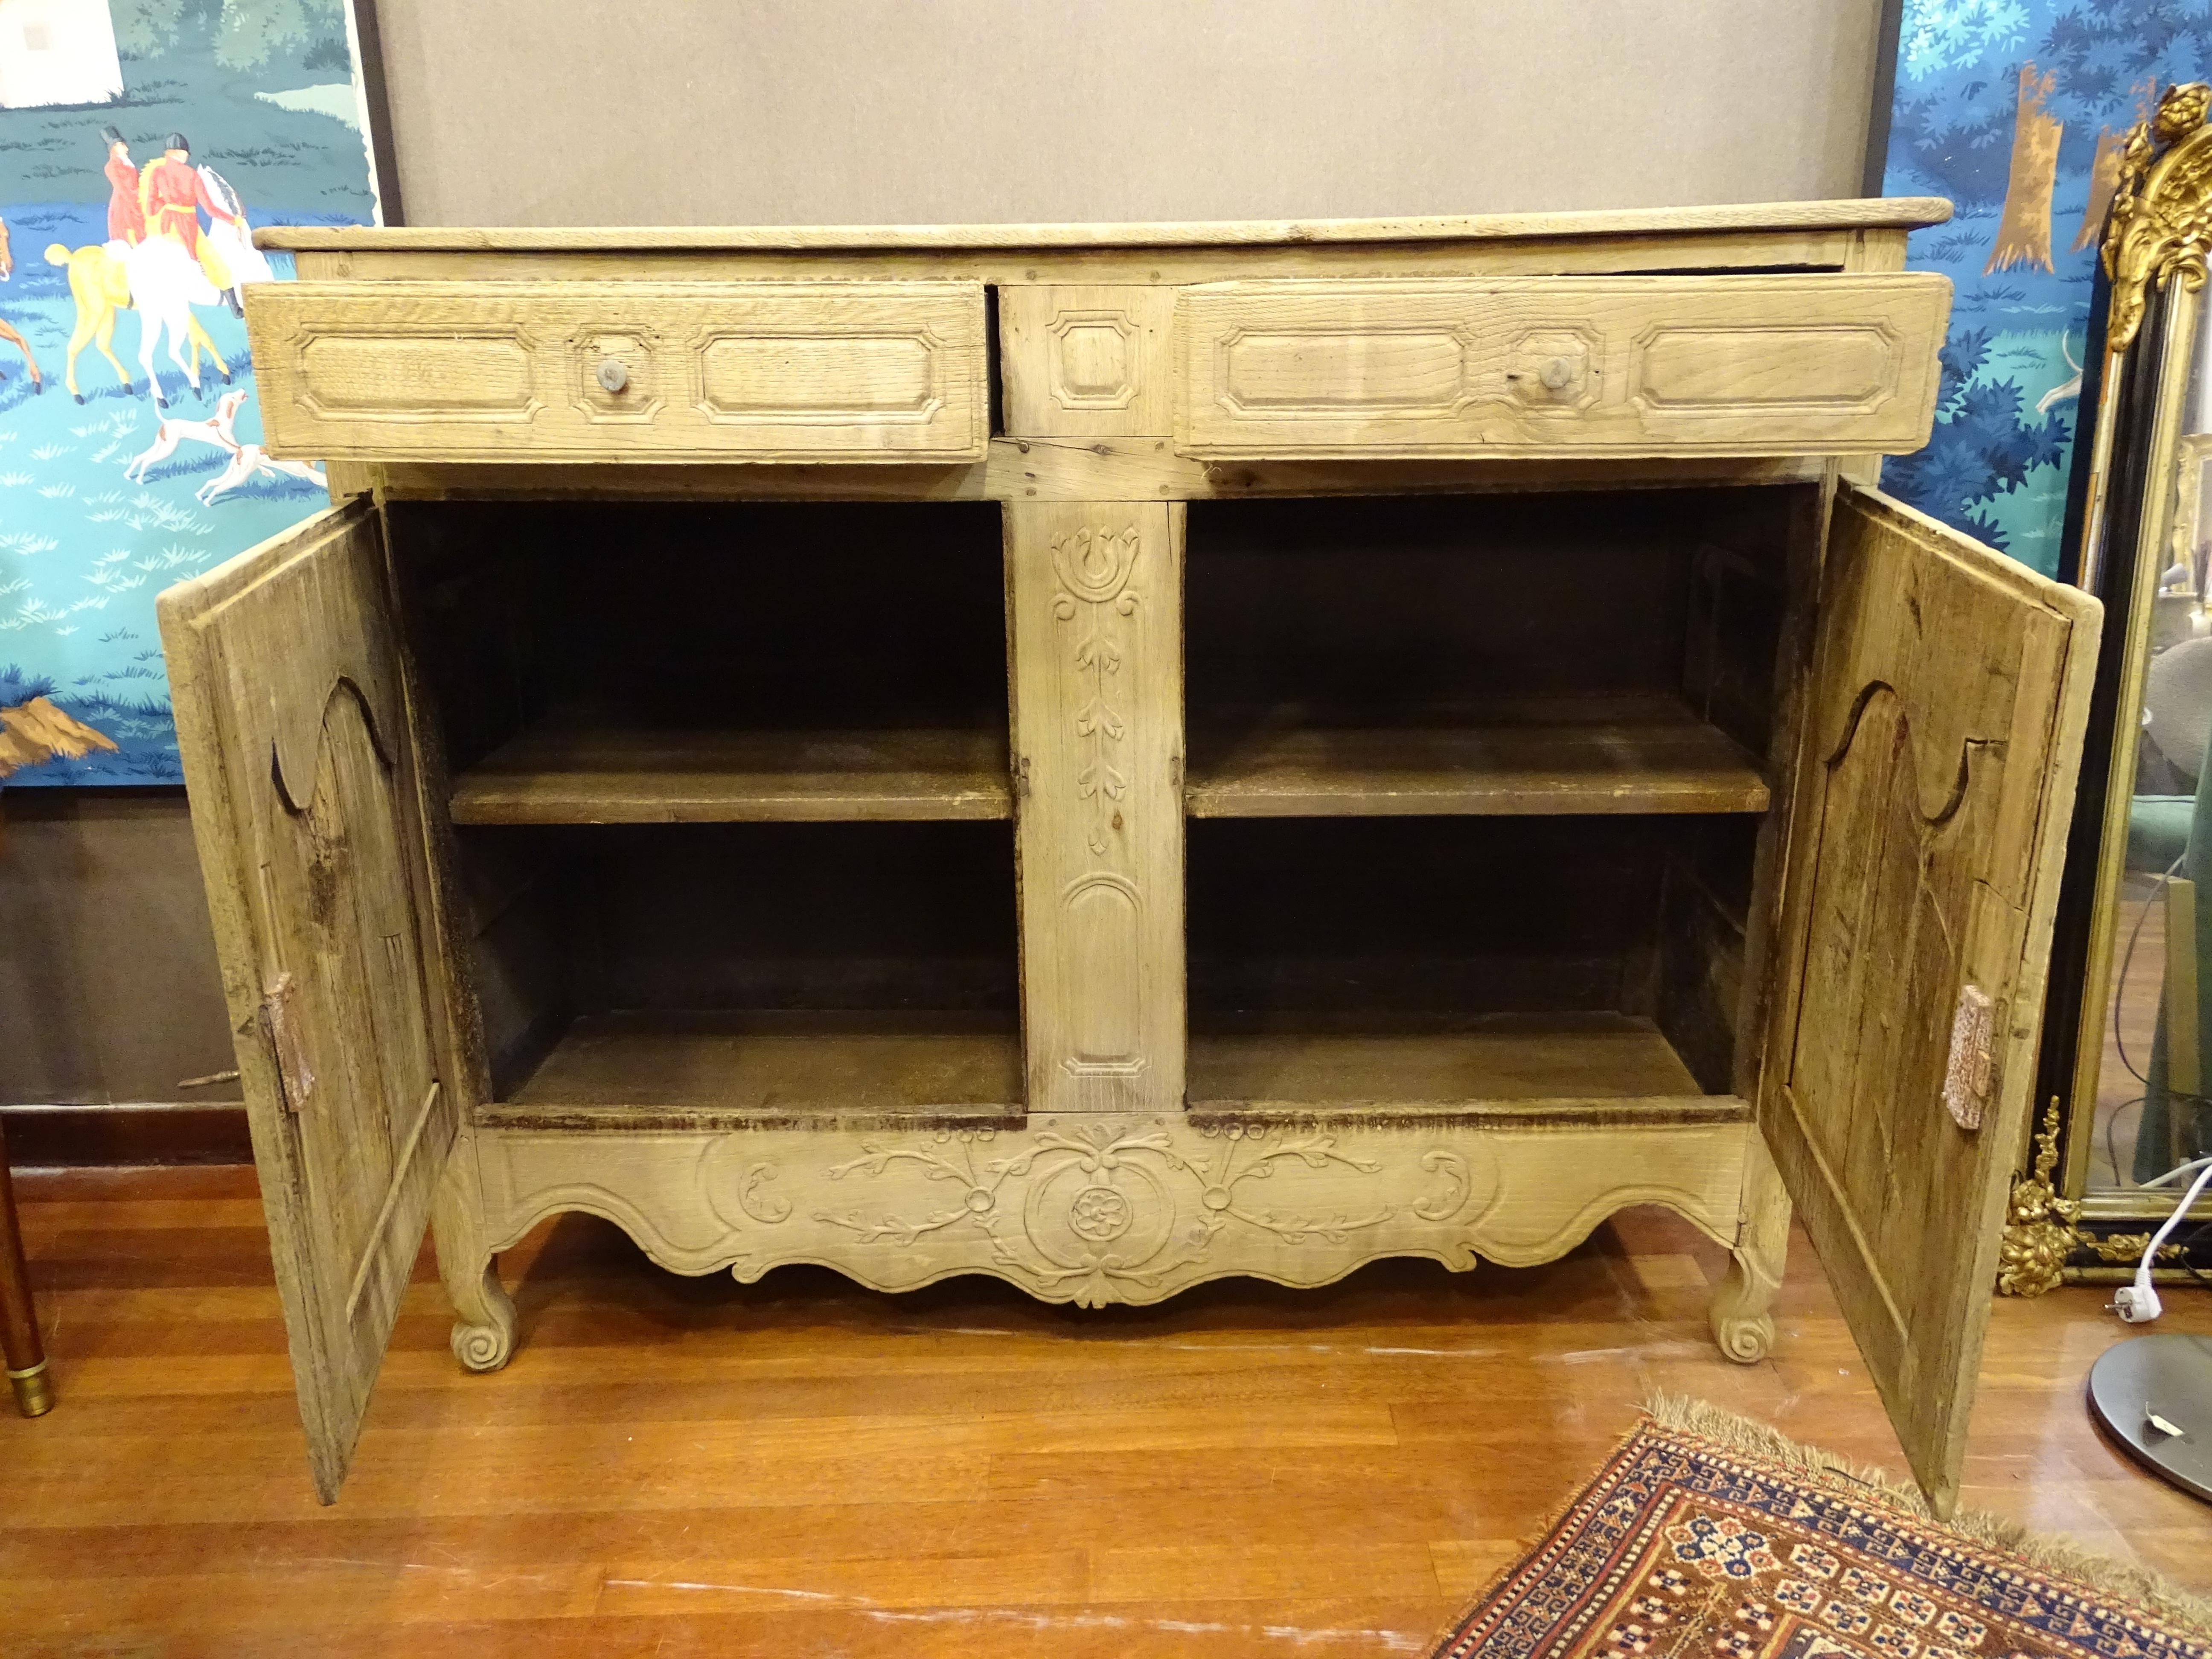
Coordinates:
1097	732
443	371
291	717
1949	696
1558	365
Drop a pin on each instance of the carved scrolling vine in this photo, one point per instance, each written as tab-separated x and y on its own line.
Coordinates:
1094	569
1098	1208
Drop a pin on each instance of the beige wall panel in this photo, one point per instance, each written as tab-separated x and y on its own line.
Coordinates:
109	989
827	111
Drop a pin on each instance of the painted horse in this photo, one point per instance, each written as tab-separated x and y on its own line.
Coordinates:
160	280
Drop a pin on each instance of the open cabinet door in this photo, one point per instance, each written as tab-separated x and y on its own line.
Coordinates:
292	720
1943	728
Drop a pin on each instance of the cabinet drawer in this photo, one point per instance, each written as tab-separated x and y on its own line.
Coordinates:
621	371
1560	366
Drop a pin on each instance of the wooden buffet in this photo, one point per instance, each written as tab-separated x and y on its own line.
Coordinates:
1117	756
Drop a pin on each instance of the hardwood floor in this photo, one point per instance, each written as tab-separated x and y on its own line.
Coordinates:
675	1466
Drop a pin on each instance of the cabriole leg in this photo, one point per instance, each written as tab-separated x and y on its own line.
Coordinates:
483	1332
1741	1324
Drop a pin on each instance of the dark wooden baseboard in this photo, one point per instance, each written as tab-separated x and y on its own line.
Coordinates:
131	1133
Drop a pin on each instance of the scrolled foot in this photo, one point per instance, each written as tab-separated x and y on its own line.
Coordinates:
1747	1339
1741	1322
482	1347
484	1336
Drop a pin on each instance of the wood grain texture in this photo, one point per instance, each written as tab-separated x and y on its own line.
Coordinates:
1075	470
1909	211
777	1066
1872	250
1096	611
593	774
1100	1209
1653	756
1086	361
702	1469
1943	733
1532	1058
1633	365
493	371
1807	248
290	718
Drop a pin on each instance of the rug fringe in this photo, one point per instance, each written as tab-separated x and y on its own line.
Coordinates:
2189	1614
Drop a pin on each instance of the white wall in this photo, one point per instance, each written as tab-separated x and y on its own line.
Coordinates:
703	112
57	51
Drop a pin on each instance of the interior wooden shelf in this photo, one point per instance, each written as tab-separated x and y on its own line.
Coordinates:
691	1066
572	774
1563	755
1494	1061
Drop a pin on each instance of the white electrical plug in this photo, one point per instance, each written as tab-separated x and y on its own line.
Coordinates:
2138	1302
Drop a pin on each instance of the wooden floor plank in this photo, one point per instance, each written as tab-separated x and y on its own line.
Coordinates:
675	1466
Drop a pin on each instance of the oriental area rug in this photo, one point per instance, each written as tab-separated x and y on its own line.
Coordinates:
1708	1536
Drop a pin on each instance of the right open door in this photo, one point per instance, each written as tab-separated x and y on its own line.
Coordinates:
1943	729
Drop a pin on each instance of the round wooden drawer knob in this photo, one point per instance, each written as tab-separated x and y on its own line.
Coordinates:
614	374
1557	373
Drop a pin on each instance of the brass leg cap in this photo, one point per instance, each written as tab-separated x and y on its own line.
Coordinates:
34	1394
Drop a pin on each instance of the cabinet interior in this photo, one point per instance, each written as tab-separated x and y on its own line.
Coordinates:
1474	787
648	662
729	802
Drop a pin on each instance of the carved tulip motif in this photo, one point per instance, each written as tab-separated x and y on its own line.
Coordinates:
1094	568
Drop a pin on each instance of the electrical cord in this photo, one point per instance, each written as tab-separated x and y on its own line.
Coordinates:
2138	1302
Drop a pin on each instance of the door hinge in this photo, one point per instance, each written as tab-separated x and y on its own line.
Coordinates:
280	1026
1022	777
1972	1063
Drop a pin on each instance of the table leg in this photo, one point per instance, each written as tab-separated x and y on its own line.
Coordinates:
19	1319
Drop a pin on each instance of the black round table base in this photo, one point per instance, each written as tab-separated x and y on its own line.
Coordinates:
2143	1388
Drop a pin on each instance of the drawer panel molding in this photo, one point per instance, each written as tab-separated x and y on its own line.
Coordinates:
1087	361
647	372
1653	366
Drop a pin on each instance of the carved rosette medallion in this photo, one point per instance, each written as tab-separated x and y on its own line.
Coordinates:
1108	1211
1096	569
2160	226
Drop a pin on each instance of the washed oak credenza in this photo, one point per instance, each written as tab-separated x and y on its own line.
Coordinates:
1115	756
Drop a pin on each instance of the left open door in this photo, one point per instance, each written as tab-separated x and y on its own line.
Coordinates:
292	719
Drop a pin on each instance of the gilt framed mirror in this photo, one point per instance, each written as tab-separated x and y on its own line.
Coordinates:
2126	1057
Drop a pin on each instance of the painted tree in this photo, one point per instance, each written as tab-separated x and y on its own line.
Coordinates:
145	28
1982	442
1990	105
251	32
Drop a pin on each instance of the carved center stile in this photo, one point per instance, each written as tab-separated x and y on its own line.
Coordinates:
1095	569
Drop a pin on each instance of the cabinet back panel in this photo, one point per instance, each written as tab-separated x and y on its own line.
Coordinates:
1425	918
1387	609
829	915
701	615
863	918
